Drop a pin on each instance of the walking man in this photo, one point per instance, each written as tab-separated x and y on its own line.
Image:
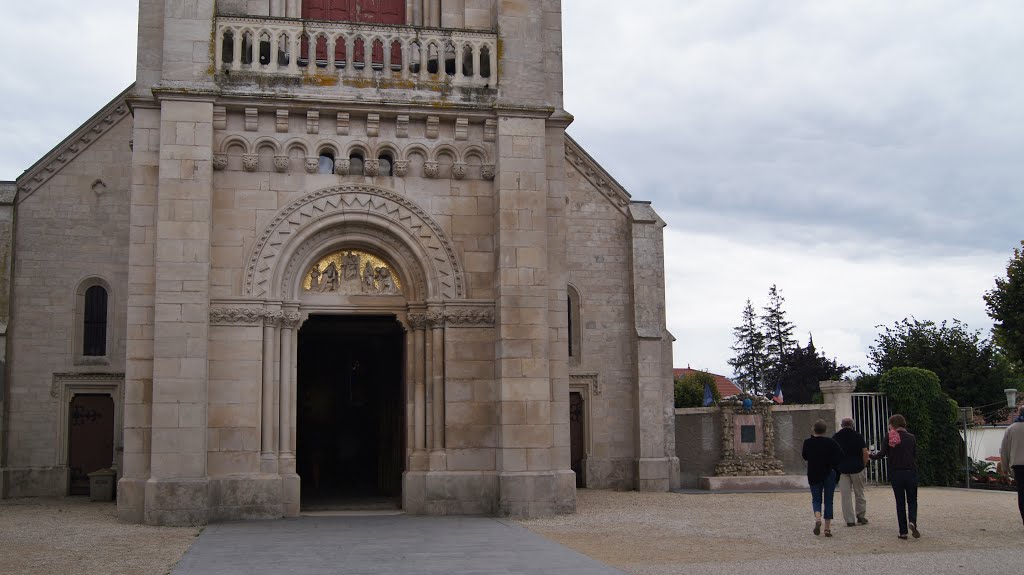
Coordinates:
1011	456
851	470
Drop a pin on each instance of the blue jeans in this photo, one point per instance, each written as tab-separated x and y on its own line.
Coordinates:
824	491
904	487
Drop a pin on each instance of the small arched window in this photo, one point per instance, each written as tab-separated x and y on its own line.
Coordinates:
575	342
355	164
326	163
385	165
94	335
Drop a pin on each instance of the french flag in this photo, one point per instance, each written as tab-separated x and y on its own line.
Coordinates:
777	396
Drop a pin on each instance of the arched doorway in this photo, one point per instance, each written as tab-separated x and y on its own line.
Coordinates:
350	443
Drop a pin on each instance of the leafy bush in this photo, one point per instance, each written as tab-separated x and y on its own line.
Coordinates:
931	417
689	389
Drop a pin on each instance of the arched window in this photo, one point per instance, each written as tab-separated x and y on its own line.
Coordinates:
355	166
326	163
385	164
575	342
94	334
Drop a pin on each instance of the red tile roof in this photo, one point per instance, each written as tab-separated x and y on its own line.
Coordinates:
724	385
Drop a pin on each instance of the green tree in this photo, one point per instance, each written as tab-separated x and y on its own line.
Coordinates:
931	417
804	369
1005	304
749	362
689	389
968	366
779	342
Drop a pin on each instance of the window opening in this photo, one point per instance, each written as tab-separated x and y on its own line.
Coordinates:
94	336
247	48
355	164
228	47
485	62
449	59
326	163
264	48
385	165
467	60
432	59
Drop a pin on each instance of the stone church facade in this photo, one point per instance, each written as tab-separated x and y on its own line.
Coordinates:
326	251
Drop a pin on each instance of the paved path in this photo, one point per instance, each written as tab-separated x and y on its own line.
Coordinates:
372	545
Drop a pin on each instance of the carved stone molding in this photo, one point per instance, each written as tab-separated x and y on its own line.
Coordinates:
387	206
250	162
588	378
312	165
430	169
595	174
469	317
237	315
59	379
401	168
371	167
74	145
342	166
487	171
291	319
220	161
458	171
280	164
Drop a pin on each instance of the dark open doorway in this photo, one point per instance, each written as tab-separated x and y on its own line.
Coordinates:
350	438
90	439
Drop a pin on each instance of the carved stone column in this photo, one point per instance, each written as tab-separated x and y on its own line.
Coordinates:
286	454
268	455
418	460
437	454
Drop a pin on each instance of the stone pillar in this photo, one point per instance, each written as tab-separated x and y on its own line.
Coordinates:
840	395
419	454
8	191
138	384
176	493
268	455
286	421
527	482
657	464
436	334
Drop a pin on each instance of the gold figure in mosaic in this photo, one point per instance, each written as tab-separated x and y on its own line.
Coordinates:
351	272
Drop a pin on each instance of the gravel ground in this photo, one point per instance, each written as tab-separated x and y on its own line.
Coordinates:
74	535
662	533
641	533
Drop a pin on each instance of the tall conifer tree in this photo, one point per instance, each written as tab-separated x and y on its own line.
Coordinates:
778	338
749	362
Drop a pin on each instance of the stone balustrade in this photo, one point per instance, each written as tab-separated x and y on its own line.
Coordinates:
342	51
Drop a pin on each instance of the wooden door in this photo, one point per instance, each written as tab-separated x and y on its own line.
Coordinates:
577	450
90	439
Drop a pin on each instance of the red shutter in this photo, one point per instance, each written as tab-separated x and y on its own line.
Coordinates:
339	10
314	9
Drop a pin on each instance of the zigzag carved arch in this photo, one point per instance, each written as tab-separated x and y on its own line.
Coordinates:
390	210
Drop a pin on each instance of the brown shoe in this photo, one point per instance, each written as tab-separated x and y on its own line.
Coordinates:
817	527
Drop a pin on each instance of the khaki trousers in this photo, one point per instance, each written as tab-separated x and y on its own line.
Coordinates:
856	481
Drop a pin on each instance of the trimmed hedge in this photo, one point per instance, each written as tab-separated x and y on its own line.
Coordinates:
689	389
931	417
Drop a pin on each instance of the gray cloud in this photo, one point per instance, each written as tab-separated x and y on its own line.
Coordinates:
884	120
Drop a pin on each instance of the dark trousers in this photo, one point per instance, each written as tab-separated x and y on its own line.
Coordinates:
904	487
1018	474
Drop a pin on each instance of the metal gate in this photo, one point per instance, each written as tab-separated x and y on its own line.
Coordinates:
871	418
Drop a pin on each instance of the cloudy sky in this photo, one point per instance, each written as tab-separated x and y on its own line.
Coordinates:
864	156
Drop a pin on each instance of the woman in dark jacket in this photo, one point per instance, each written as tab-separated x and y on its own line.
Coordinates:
822	454
901	449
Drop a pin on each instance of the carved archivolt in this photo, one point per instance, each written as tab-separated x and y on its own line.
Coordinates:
590	379
375	208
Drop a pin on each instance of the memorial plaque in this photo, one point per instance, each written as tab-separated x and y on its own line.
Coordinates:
748	434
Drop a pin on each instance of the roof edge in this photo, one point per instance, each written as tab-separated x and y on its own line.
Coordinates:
70	147
596	175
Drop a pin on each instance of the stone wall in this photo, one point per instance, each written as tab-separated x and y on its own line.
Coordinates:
699	438
71	230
